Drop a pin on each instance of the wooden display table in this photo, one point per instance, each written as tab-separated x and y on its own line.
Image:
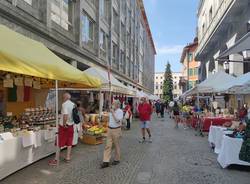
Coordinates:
92	139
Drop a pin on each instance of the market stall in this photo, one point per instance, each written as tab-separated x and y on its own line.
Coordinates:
229	153
215	121
215	136
28	129
109	82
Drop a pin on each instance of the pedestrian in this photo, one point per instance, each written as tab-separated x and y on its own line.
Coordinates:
81	113
113	135
176	113
127	114
162	109
66	129
145	111
158	108
185	115
243	113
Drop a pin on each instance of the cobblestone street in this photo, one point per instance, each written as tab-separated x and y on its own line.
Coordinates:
174	157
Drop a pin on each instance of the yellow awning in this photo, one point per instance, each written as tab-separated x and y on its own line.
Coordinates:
22	55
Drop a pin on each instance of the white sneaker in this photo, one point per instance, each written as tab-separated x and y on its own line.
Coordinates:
142	140
150	140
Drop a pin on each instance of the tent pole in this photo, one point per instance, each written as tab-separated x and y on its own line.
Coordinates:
100	105
57	126
198	101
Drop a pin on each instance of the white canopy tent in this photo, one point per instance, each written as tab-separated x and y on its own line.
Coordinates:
153	97
141	94
116	86
214	83
241	85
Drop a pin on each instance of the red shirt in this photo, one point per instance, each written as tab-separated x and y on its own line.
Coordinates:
128	108
145	111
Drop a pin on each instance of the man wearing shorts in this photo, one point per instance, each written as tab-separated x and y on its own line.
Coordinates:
66	129
145	111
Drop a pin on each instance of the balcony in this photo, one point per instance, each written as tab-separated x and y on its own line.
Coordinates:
217	18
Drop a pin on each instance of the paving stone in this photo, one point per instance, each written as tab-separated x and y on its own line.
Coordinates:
176	156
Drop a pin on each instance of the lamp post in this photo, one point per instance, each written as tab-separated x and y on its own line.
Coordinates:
246	54
226	66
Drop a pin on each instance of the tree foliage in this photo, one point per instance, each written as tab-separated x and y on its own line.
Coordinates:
168	84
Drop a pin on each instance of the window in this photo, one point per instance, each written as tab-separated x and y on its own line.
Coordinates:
114	55
60	12
203	28
156	87
123	6
156	77
103	8
102	43
190	84
115	21
87	30
210	14
195	71
123	33
190	56
141	31
123	65
190	71
128	40
175	87
161	87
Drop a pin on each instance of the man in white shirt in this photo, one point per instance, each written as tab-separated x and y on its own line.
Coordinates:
66	129
113	135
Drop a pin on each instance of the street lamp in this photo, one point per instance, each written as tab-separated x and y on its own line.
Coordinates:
246	54
226	66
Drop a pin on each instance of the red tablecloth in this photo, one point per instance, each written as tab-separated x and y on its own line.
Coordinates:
216	121
194	121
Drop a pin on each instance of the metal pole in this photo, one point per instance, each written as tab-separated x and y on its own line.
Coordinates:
100	105
57	126
187	72
198	101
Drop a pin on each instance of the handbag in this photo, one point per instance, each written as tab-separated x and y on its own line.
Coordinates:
126	116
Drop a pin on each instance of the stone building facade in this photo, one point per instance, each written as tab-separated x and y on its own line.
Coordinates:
86	33
190	66
221	23
159	80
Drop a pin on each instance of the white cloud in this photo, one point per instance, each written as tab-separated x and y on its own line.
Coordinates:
169	49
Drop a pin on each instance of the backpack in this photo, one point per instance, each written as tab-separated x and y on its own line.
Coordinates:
75	115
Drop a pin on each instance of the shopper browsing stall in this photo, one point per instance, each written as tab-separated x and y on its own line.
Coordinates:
113	135
66	130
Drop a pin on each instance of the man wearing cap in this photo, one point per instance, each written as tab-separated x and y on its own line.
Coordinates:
145	111
113	135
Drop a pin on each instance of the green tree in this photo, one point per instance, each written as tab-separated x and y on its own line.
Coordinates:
168	84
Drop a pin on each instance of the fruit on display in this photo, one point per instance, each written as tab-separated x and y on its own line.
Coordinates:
95	130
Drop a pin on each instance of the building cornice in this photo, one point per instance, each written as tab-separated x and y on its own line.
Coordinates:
186	49
143	12
201	4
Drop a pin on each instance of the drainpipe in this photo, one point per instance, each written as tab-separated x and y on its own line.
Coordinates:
187	71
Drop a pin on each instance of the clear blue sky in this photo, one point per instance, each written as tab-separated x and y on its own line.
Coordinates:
173	25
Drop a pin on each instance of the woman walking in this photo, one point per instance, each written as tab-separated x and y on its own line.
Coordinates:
176	113
127	114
